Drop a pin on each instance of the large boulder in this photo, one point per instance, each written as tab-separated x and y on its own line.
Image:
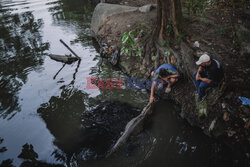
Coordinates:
125	16
104	10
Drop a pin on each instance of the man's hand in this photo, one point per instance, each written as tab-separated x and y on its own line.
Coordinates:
206	80
152	92
151	100
200	69
198	77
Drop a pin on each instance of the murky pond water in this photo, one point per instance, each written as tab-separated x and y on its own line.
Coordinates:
46	104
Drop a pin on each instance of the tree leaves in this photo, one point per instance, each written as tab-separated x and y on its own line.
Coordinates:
129	44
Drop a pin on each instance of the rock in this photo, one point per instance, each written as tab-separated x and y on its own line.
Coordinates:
147	8
104	10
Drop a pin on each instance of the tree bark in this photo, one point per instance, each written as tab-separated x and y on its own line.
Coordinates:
168	13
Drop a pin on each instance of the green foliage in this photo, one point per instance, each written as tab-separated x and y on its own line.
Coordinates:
196	7
129	46
167	52
165	43
153	58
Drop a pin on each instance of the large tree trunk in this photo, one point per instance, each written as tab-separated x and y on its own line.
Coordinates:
169	18
169	13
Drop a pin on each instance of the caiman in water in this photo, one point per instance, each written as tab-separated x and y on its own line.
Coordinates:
133	127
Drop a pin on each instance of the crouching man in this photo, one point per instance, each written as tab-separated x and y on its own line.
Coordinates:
165	74
208	75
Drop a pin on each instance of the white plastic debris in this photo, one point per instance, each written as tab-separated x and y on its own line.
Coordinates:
211	127
196	44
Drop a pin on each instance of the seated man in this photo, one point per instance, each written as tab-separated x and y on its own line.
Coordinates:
208	75
165	74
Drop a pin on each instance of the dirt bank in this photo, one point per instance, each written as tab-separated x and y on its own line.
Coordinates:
223	34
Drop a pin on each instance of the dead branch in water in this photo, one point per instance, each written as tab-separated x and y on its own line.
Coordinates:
70	49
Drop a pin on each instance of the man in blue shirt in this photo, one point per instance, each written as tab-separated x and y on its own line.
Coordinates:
165	74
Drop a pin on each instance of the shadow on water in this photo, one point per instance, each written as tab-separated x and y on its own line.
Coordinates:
21	51
82	134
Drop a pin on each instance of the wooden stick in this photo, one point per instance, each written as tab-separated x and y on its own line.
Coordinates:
69	49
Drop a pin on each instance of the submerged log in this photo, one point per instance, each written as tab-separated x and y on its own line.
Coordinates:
133	127
63	58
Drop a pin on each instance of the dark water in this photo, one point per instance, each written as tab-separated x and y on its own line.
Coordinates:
61	120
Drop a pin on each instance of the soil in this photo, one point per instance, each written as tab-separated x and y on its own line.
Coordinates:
219	33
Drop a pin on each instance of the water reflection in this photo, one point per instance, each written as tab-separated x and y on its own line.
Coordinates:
74	13
21	51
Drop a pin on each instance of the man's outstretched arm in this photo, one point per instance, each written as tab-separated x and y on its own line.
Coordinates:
152	91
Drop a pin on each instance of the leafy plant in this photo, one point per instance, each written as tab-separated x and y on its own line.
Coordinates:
165	43
153	58
167	52
129	46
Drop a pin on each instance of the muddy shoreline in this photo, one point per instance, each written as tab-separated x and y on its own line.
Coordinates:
220	101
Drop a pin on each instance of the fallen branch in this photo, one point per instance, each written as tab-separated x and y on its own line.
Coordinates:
69	49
